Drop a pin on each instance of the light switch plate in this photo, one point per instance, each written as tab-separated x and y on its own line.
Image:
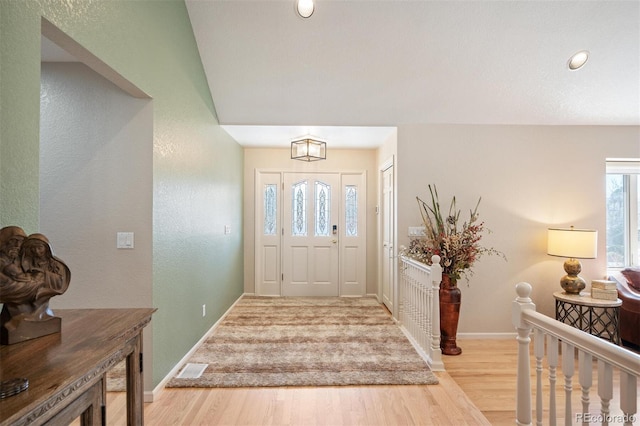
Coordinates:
416	231
124	240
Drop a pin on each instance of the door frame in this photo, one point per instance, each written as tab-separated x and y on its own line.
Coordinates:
385	165
268	257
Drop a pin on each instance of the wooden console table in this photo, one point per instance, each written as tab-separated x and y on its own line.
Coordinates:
66	370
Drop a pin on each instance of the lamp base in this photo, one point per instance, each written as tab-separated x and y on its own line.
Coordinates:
572	284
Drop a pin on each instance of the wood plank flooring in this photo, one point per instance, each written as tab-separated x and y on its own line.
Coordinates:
477	389
361	405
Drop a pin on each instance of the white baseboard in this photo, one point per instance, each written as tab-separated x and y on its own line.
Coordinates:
374	295
434	365
150	396
481	336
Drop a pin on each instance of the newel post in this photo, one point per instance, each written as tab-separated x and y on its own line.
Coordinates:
436	278
523	396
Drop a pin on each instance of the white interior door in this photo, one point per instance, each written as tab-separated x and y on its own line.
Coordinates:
310	246
387	239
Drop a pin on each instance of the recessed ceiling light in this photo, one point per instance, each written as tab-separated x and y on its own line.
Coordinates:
305	8
578	60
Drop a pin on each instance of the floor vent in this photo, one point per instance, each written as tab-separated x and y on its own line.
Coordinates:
192	371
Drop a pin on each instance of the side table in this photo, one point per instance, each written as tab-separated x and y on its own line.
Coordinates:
598	317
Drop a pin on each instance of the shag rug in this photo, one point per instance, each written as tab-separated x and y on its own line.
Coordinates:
307	341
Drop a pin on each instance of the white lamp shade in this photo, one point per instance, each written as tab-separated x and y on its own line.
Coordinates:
572	243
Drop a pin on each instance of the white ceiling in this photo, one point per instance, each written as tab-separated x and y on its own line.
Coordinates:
389	62
358	68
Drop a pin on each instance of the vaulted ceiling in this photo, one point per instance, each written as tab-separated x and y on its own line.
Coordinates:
388	62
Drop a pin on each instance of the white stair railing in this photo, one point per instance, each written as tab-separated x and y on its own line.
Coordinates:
589	348
419	307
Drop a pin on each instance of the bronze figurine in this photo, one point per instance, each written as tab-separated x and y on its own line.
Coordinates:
30	275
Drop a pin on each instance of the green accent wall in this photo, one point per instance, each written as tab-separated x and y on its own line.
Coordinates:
197	167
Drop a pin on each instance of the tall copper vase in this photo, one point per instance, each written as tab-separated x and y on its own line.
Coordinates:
450	297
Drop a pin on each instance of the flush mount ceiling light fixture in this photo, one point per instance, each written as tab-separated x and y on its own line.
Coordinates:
305	8
578	60
308	149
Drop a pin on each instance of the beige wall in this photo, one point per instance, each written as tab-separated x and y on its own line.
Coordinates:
337	161
529	178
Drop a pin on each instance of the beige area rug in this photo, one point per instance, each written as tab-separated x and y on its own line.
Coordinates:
294	341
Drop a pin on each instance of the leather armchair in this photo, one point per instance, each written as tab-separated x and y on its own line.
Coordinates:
628	285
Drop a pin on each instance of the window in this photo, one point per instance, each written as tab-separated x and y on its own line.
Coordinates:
351	210
270	209
623	213
323	209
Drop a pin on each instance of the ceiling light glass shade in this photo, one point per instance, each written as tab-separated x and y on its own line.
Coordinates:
572	243
308	150
305	8
578	60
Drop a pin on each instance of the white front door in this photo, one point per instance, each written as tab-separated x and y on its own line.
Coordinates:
310	233
310	246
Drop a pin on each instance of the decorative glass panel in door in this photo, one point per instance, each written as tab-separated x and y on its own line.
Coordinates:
351	210
299	209
270	209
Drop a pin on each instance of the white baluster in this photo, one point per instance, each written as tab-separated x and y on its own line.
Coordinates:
568	354
420	308
416	304
424	310
552	358
628	396
436	277
585	368
538	348
402	280
605	388
589	347
428	312
523	391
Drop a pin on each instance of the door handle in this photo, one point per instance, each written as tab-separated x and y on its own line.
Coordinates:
334	241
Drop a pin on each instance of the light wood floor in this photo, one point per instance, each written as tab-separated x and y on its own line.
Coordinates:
477	389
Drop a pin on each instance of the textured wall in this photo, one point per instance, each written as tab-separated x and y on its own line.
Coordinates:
197	167
19	113
96	140
529	178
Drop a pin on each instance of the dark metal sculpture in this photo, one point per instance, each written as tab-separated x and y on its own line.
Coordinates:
30	275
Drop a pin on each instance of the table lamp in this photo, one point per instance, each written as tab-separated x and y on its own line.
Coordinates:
574	244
